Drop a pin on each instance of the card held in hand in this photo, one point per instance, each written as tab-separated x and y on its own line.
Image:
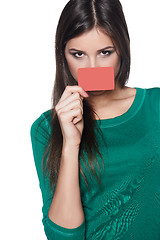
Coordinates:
96	79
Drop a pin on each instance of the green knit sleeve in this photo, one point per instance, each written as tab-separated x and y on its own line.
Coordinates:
39	133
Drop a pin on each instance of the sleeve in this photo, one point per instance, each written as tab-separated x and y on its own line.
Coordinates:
39	139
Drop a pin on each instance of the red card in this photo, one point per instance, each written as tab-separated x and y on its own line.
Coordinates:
95	79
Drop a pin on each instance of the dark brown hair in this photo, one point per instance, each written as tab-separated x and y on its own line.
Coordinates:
77	17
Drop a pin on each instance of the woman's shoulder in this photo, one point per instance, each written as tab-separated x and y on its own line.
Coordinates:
154	90
154	94
41	125
44	116
153	100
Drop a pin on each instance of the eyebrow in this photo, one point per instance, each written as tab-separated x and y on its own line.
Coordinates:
73	49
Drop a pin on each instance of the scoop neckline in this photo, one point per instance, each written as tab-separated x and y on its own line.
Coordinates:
134	108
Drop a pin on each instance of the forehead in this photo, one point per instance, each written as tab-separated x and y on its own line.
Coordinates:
93	39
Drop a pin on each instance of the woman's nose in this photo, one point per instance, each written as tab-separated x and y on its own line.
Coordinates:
92	63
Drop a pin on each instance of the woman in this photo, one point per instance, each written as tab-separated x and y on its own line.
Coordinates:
100	153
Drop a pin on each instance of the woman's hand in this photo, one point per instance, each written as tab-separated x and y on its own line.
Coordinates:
69	110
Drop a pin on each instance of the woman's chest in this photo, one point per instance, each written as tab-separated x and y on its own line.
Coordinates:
115	108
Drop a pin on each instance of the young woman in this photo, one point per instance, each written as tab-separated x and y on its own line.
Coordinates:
97	155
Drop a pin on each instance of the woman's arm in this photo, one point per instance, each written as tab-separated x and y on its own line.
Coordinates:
62	212
66	207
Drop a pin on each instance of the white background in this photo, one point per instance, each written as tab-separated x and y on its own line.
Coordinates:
27	63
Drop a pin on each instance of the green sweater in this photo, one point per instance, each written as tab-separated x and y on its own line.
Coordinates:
128	205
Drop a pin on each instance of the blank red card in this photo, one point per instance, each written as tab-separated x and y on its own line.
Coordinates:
95	79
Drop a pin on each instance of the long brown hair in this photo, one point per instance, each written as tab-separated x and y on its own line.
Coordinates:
77	17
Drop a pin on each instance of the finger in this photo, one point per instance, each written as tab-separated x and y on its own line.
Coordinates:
70	106
77	119
71	89
71	99
69	116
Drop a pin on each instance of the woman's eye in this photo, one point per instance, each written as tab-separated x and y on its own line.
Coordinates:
105	53
79	54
